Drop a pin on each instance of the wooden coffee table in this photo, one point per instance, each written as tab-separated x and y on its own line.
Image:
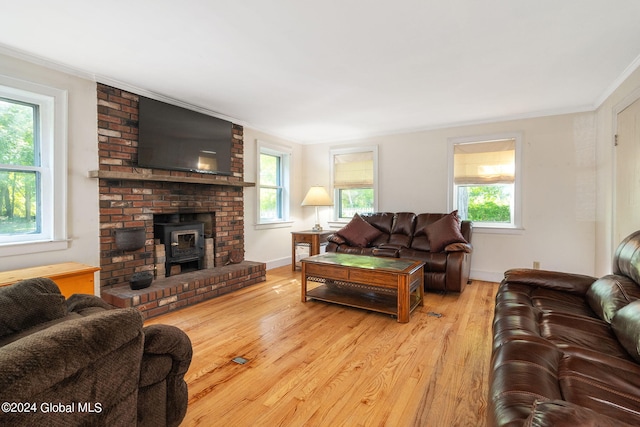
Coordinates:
388	285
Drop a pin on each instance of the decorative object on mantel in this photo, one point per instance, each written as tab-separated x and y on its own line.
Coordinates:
130	239
317	196
140	280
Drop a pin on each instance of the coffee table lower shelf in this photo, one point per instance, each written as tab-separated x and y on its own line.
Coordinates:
373	301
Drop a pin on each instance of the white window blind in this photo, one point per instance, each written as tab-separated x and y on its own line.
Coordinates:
488	162
353	170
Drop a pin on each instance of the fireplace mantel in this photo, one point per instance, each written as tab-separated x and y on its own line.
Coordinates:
145	176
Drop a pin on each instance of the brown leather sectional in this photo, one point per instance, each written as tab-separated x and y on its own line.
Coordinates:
410	235
566	346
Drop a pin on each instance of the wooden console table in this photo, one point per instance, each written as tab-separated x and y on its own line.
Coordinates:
71	277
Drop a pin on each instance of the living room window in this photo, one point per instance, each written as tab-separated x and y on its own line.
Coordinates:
32	166
485	180
354	181
273	183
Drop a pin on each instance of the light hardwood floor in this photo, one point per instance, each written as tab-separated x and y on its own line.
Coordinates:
320	364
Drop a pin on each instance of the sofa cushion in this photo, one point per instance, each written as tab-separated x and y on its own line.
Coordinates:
583	332
559	413
444	231
383	221
610	293
626	326
608	389
359	232
402	230
28	303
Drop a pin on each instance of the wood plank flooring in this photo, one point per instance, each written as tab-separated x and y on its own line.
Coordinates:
321	364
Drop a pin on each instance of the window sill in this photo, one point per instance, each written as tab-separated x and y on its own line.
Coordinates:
497	230
270	225
24	248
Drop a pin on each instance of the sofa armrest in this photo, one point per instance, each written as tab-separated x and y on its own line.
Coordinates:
388	250
167	356
559	281
457	270
167	340
458	247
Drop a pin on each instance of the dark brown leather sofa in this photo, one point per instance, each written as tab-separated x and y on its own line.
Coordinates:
566	347
442	241
78	361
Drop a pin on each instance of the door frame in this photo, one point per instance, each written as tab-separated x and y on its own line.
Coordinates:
617	109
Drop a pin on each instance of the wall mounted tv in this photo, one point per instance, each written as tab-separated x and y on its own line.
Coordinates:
175	138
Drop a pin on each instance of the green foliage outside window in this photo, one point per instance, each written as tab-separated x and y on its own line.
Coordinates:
489	203
18	198
355	200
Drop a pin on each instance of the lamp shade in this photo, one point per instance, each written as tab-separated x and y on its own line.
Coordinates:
317	196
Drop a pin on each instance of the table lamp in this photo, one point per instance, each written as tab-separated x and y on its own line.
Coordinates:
317	196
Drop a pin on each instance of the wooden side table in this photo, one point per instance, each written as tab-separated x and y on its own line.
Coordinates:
310	238
71	277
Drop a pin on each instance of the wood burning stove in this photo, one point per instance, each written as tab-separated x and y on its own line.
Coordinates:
183	242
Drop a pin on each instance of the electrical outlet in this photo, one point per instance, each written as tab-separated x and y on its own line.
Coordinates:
536	265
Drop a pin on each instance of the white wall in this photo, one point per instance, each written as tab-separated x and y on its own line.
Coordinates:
82	196
558	175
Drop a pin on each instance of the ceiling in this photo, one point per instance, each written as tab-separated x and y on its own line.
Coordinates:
328	70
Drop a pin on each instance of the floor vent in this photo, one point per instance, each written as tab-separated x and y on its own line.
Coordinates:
239	360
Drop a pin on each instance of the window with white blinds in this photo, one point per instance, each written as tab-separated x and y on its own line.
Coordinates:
485	180
490	162
354	181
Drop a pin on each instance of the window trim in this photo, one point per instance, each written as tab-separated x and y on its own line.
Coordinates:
284	152
53	145
337	221
517	225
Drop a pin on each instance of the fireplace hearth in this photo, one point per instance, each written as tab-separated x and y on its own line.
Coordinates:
184	244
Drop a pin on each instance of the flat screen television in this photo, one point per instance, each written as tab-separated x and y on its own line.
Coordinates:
175	138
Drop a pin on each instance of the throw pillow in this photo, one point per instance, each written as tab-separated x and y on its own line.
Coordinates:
359	232
444	231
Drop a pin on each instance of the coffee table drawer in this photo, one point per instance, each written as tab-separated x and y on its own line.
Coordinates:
378	278
327	271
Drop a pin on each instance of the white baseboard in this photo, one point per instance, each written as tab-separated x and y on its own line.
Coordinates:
278	262
486	276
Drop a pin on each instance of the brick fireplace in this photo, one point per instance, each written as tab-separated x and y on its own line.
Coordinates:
128	202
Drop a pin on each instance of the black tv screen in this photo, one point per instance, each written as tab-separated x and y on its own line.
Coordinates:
175	138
